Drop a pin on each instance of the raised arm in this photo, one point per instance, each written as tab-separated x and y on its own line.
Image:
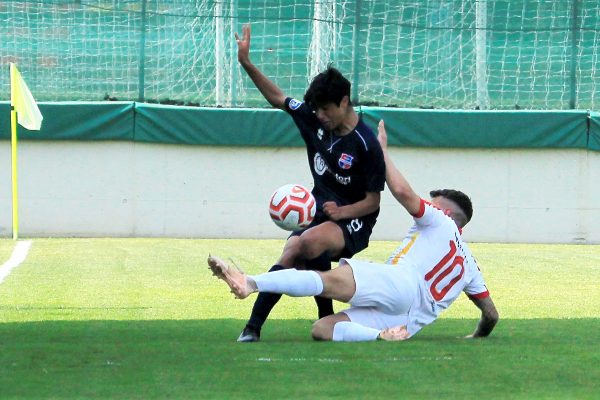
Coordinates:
489	317
269	90
396	182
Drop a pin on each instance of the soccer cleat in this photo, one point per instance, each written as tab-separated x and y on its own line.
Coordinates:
394	334
249	335
235	279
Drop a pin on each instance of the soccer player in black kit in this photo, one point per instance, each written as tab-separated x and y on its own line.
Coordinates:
347	165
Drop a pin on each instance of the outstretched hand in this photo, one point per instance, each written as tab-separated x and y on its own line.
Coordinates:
382	136
243	44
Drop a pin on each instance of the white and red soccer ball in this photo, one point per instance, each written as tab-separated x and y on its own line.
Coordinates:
292	207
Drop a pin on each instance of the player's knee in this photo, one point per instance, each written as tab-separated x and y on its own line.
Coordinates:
310	247
292	253
322	330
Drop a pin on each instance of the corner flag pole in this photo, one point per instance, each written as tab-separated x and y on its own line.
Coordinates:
24	110
15	197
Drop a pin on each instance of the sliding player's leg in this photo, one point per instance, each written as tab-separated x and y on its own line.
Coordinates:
319	246
337	284
381	296
321	263
310	249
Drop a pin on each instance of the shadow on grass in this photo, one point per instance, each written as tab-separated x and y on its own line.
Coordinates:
200	359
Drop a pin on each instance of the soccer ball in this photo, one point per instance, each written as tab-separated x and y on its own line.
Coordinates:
292	207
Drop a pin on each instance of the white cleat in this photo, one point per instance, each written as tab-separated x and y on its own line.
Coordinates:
235	279
394	334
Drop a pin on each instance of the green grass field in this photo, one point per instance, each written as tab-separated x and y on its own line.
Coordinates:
144	319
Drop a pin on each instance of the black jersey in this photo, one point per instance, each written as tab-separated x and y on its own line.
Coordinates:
345	167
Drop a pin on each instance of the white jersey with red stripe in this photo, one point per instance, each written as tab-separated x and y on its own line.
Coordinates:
434	249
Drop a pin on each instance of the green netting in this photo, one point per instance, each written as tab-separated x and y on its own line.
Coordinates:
464	54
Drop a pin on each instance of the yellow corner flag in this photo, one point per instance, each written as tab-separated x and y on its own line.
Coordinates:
30	117
28	113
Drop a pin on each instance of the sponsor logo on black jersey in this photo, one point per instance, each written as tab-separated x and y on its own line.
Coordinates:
321	167
344	180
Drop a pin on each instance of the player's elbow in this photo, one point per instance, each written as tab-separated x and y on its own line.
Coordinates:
398	190
276	99
489	319
491	316
399	194
372	202
276	103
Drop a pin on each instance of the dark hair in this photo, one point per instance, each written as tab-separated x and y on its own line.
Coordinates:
461	200
330	86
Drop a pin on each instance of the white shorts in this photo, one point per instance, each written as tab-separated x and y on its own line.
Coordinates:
384	294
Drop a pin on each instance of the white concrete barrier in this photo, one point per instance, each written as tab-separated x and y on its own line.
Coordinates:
92	189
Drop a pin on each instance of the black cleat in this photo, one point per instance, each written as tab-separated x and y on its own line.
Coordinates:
249	335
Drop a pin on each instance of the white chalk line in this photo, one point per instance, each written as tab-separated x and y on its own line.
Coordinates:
18	255
337	360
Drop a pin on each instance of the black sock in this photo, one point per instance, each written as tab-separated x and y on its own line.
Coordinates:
324	305
263	305
321	263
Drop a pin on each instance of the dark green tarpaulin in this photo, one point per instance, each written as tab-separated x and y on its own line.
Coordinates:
274	128
76	121
485	129
215	126
594	137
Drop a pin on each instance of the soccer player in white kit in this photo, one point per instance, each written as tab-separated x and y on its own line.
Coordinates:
391	301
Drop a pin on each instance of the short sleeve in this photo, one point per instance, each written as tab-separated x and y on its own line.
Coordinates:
296	107
375	170
476	287
429	215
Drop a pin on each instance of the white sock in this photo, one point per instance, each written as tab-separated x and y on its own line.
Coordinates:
346	331
291	282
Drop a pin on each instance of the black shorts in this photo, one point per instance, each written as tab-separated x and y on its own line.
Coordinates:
356	231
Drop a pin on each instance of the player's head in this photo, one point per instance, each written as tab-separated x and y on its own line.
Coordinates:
330	86
456	203
329	97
